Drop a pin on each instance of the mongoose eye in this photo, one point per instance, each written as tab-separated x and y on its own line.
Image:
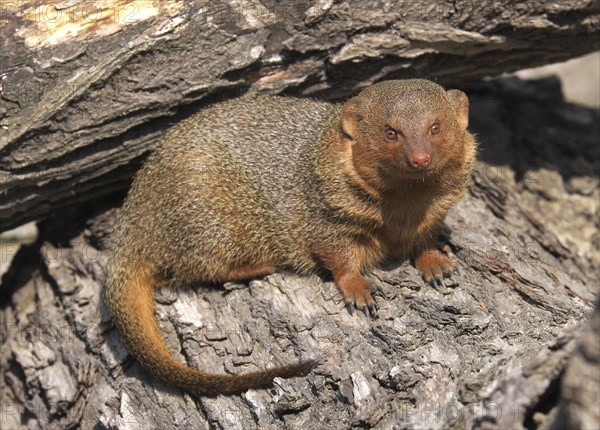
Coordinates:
391	134
435	128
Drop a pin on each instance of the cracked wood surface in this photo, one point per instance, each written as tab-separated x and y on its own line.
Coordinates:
89	87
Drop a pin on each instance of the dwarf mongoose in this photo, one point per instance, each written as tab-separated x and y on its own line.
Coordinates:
253	184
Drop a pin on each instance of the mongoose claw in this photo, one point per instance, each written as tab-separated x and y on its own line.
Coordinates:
350	307
370	310
438	281
434	280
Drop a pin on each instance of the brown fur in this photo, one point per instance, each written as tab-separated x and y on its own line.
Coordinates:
251	185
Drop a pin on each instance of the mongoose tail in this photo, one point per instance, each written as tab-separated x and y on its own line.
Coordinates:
130	299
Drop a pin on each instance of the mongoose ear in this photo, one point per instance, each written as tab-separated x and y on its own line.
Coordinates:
461	103
350	118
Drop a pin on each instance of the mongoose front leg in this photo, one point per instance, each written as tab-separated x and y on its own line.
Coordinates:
431	263
355	288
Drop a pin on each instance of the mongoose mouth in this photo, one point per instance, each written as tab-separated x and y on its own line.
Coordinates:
401	176
418	171
420	175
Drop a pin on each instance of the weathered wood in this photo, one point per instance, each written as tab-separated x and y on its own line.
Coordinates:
580	385
489	353
88	87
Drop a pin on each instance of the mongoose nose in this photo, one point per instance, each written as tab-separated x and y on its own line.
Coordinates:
420	159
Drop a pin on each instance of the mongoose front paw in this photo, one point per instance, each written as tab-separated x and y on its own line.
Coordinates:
369	309
433	266
358	294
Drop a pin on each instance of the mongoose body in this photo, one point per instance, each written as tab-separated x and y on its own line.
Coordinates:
250	185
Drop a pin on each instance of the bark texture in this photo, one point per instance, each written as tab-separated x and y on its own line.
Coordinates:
82	106
88	87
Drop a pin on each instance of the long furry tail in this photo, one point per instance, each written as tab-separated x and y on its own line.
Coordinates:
130	298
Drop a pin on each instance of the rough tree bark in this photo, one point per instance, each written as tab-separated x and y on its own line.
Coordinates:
88	87
81	110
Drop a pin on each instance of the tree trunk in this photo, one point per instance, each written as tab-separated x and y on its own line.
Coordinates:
490	353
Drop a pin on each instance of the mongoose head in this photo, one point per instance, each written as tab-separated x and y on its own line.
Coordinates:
405	129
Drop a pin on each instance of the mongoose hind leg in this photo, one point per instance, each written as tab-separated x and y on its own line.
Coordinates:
249	271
